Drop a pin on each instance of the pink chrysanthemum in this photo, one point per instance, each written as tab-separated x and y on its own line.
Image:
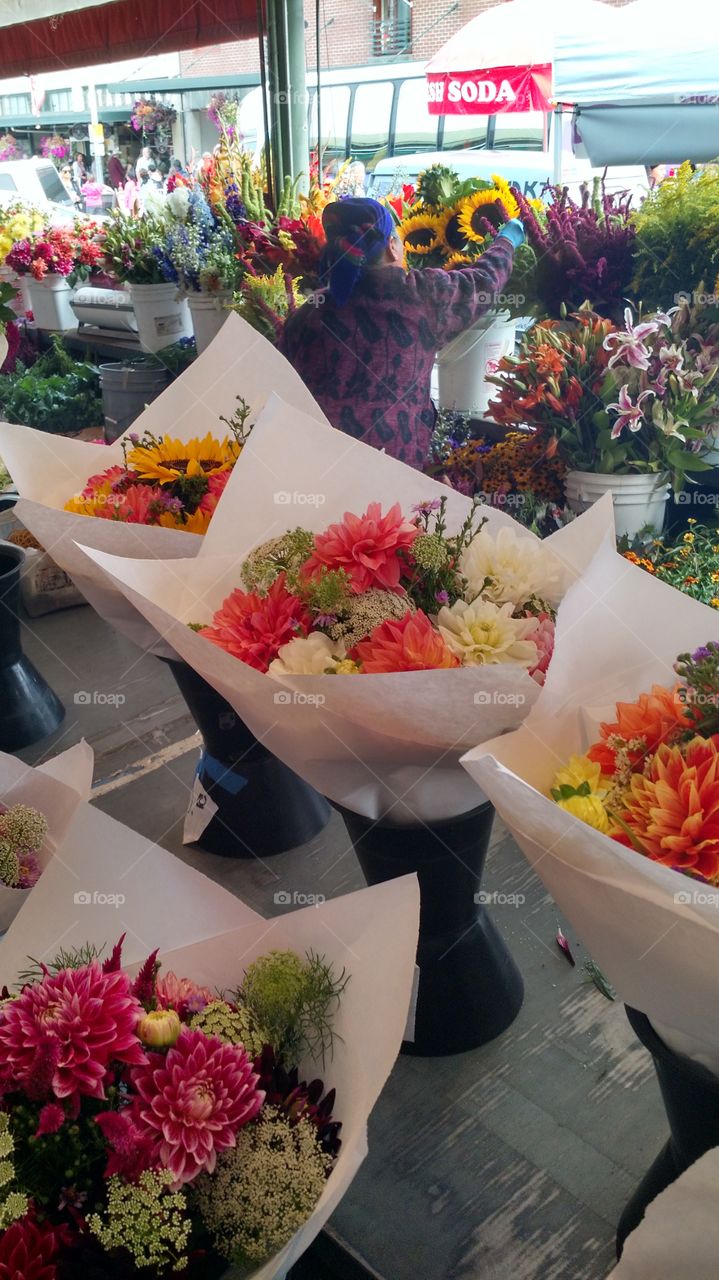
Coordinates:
253	628
367	547
85	1017
193	1102
181	994
216	482
543	637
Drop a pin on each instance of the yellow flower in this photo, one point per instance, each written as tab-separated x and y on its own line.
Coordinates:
688	537
347	668
581	769
483	204
589	809
160	1028
421	233
714	602
508	199
458	260
168	459
714	577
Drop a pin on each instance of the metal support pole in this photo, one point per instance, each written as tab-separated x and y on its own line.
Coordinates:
557	147
288	90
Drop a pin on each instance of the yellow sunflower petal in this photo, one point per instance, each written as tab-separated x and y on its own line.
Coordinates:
421	233
168	458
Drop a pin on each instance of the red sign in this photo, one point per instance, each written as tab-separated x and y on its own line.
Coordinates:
486	93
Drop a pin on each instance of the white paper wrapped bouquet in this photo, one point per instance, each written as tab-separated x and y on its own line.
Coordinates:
367	623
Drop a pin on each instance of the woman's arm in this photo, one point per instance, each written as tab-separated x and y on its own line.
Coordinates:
454	300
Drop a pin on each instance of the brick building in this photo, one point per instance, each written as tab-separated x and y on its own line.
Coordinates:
353	32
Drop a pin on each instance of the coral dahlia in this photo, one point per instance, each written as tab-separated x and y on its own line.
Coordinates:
253	628
655	718
193	1101
84	1018
674	809
367	547
181	994
411	644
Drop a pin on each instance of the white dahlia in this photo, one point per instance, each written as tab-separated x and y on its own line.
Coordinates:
310	655
508	567
483	632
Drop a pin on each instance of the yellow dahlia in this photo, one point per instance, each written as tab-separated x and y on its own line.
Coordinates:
168	459
421	233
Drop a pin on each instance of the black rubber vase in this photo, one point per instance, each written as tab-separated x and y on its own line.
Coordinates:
690	1093
470	989
263	807
29	710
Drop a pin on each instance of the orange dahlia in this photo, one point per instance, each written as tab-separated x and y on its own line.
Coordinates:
253	628
674	810
655	718
367	547
409	644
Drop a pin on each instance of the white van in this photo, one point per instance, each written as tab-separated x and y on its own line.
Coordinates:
37	182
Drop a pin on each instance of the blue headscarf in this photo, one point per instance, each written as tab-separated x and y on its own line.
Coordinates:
358	231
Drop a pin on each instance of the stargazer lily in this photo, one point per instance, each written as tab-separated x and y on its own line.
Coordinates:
629	414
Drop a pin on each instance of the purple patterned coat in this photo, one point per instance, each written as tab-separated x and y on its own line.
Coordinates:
369	363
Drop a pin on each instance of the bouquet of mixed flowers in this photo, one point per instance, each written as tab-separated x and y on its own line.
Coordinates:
35	812
55	147
386	576
610	789
148	115
199	250
10	148
690	562
190	409
153	1124
503	471
18	222
132	248
583	252
173	483
614	400
72	252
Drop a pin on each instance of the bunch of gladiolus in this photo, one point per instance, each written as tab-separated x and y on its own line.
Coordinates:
651	781
173	483
150	1126
381	592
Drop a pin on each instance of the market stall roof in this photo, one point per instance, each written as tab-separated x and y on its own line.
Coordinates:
43	35
646	85
502	60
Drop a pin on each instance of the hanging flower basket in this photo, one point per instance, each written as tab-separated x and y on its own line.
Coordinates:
10	148
54	147
148	115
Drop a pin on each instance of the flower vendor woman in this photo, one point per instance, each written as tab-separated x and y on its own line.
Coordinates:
365	345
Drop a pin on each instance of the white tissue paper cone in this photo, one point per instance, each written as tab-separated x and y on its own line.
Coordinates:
678	1238
56	790
383	745
372	934
653	932
48	470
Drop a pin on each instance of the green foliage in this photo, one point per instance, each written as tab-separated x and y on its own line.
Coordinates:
60	403
72	958
295	1001
677	242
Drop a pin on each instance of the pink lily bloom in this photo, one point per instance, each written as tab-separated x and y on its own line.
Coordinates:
630	342
629	414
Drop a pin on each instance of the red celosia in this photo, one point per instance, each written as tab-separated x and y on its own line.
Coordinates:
253	628
368	547
130	1151
87	1016
192	1102
410	644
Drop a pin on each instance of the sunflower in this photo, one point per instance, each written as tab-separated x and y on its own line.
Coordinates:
506	195
453	238
458	260
421	233
165	460
483	204
196	522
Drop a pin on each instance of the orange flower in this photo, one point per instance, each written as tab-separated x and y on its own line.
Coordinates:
253	628
549	359
410	644
655	718
674	811
367	547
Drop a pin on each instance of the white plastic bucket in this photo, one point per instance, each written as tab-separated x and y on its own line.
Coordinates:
162	317
209	312
463	365
50	302
639	500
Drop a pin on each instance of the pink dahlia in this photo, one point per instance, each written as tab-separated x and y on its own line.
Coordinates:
253	628
193	1101
181	994
367	547
100	482
137	504
216	482
543	637
82	1020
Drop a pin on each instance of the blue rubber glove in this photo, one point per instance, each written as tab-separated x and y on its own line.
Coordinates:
514	232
